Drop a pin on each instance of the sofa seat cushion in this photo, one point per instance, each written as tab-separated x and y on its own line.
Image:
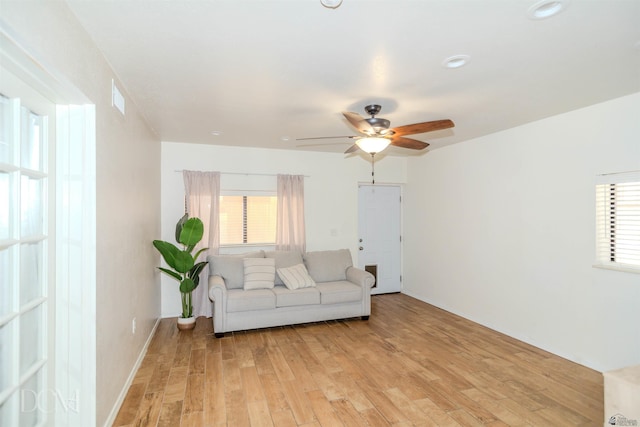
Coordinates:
256	299
339	291
290	297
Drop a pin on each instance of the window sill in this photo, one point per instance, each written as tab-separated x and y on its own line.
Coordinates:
635	270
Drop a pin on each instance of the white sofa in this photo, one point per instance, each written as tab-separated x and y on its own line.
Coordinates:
338	290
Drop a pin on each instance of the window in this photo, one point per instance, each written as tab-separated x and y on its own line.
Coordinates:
618	220
247	220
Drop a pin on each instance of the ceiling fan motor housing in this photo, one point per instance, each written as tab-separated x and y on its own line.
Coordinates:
377	124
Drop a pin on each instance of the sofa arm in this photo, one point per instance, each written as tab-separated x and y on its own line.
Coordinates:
360	277
218	297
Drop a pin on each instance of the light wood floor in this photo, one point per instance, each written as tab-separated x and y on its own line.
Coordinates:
410	364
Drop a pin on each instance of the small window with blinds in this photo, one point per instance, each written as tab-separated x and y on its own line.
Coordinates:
618	220
247	220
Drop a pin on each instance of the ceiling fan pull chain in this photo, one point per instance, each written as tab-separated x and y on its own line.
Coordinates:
373	179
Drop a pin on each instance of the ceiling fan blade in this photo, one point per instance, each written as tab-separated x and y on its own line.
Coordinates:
327	137
351	149
414	144
423	127
358	122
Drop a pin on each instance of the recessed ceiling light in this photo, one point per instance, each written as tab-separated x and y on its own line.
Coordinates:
331	4
456	61
285	138
216	133
547	8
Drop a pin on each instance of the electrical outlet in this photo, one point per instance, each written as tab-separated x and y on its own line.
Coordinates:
133	326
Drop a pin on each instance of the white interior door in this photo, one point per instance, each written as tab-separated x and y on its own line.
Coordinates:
379	235
26	253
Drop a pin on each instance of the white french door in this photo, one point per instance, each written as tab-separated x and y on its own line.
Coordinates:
379	235
26	252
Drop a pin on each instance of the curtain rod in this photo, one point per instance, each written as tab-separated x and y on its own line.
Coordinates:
246	173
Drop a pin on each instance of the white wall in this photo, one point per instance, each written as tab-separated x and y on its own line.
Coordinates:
127	194
331	190
503	231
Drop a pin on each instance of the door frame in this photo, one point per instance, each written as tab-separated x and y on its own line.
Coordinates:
73	362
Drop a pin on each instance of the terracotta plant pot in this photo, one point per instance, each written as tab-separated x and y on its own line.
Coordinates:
186	323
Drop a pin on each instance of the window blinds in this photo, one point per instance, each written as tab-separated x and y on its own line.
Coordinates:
618	219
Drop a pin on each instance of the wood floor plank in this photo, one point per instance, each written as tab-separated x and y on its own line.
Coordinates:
149	411
283	419
194	392
131	405
410	364
322	409
251	384
214	402
259	415
298	402
176	384
170	414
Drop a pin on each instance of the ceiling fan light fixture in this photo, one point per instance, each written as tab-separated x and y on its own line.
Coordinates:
546	8
373	145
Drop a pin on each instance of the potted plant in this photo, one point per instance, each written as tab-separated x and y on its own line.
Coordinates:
184	267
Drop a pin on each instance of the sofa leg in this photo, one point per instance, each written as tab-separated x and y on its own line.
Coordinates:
365	317
219	334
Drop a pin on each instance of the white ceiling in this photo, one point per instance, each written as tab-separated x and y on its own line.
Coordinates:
261	71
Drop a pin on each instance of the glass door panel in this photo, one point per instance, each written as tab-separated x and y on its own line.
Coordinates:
31	206
6	145
7	289
31	339
5	196
31	272
31	149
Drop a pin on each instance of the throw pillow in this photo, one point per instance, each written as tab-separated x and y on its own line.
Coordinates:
231	267
296	277
259	273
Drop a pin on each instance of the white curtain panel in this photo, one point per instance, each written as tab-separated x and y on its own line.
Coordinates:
202	194
290	228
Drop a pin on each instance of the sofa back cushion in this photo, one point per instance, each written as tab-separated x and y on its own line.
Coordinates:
284	259
231	267
328	266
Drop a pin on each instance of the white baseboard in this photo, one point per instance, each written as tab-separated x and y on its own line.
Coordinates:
114	412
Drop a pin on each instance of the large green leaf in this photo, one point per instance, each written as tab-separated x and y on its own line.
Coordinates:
195	257
171	273
179	226
192	232
194	273
187	286
168	251
183	262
